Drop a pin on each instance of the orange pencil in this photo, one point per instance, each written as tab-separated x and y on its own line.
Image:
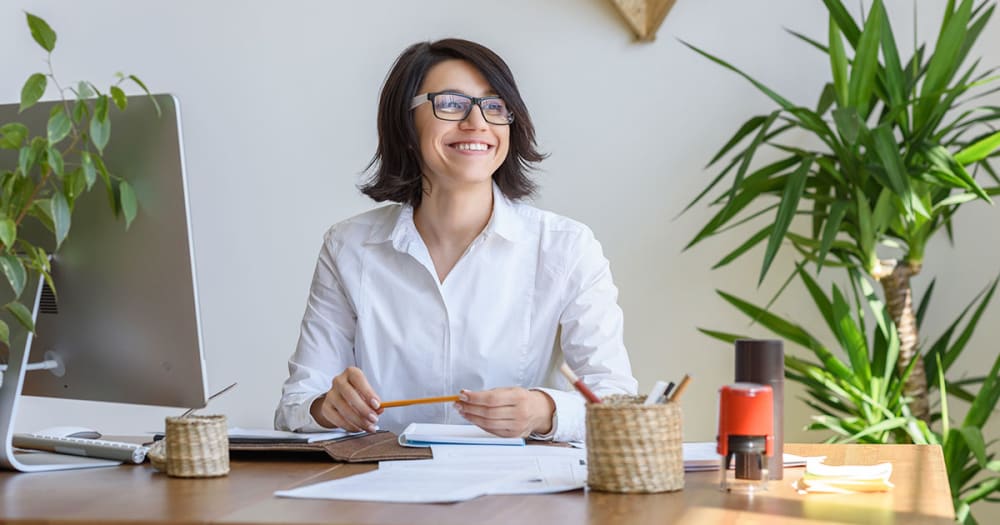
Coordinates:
681	388
406	402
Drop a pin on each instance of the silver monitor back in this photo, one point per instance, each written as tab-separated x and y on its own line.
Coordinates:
126	324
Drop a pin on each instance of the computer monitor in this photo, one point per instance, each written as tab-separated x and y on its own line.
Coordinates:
124	326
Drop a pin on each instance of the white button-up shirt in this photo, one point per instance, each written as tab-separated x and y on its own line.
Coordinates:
376	303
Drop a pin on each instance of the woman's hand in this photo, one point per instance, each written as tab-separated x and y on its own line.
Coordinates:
350	404
508	412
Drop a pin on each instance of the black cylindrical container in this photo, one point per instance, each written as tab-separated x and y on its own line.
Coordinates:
762	361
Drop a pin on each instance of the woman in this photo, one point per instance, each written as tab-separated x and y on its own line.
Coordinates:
458	287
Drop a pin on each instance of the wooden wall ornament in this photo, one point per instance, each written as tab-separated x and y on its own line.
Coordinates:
644	16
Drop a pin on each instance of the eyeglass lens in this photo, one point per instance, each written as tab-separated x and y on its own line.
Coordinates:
453	106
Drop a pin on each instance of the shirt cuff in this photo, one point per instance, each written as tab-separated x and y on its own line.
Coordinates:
300	419
569	418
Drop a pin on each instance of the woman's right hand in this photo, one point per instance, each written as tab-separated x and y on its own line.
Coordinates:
350	404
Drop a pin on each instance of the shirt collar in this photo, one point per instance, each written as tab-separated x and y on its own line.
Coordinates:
504	221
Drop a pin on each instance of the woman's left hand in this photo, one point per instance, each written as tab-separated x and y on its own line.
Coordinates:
508	412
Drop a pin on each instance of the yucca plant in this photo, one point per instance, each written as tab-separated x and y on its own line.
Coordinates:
892	150
899	154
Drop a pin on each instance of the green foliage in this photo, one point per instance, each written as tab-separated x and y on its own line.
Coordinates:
900	146
895	161
859	399
53	170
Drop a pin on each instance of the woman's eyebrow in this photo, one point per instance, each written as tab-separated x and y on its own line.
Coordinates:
490	93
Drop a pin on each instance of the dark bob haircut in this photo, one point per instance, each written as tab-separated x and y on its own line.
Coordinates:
397	175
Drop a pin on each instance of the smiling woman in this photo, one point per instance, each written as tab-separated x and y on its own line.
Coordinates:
457	287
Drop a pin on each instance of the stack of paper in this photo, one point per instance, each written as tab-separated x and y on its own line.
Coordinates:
844	479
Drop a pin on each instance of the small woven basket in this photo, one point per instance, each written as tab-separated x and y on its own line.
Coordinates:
633	447
193	447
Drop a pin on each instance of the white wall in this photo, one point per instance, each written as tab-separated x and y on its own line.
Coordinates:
279	101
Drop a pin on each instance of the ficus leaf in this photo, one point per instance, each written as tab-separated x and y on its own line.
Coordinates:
59	125
12	135
100	132
22	314
55	160
119	97
89	169
60	214
83	90
8	232
13	270
41	32
128	202
33	90
4	333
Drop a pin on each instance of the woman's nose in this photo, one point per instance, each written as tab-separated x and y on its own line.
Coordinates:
475	120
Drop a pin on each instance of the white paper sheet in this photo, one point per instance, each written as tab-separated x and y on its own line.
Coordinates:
279	436
539	474
433	485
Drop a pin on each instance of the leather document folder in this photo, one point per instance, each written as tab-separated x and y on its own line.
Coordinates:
380	446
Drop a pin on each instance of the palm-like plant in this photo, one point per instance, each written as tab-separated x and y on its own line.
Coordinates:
900	147
899	152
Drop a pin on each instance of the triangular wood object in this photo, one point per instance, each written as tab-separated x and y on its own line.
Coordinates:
644	16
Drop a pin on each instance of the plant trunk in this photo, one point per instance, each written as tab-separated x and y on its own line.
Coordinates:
895	279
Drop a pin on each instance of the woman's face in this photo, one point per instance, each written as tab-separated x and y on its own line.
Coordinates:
453	152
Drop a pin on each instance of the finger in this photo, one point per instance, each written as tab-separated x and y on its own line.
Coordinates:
501	412
360	404
496	397
332	415
349	405
360	383
501	427
356	409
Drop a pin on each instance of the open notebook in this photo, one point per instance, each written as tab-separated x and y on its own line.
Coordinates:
427	434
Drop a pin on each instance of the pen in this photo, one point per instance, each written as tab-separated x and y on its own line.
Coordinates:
666	393
578	383
654	395
406	402
681	387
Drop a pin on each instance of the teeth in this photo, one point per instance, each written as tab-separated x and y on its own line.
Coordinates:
471	146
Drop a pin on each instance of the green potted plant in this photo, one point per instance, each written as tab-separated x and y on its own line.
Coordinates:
901	146
53	169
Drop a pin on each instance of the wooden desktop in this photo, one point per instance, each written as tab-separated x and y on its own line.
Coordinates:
138	494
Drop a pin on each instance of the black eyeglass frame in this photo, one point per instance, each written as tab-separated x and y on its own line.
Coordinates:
476	101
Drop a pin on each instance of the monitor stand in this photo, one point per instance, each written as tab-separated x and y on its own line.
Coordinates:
10	392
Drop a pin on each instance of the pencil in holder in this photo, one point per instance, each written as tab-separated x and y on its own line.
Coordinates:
193	447
632	447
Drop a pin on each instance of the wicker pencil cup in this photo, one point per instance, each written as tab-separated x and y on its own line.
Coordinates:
193	447
632	447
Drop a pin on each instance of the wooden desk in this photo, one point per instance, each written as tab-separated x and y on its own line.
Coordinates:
138	494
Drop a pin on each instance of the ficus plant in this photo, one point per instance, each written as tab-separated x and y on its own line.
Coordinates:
895	148
53	169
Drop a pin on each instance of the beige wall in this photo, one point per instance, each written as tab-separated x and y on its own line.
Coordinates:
278	106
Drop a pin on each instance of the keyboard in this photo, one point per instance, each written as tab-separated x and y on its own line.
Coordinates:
93	448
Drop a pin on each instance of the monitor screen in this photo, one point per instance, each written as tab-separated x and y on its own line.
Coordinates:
124	324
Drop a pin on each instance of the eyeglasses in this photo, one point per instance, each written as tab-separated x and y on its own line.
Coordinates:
456	106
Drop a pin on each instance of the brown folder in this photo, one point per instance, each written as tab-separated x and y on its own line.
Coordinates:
380	446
